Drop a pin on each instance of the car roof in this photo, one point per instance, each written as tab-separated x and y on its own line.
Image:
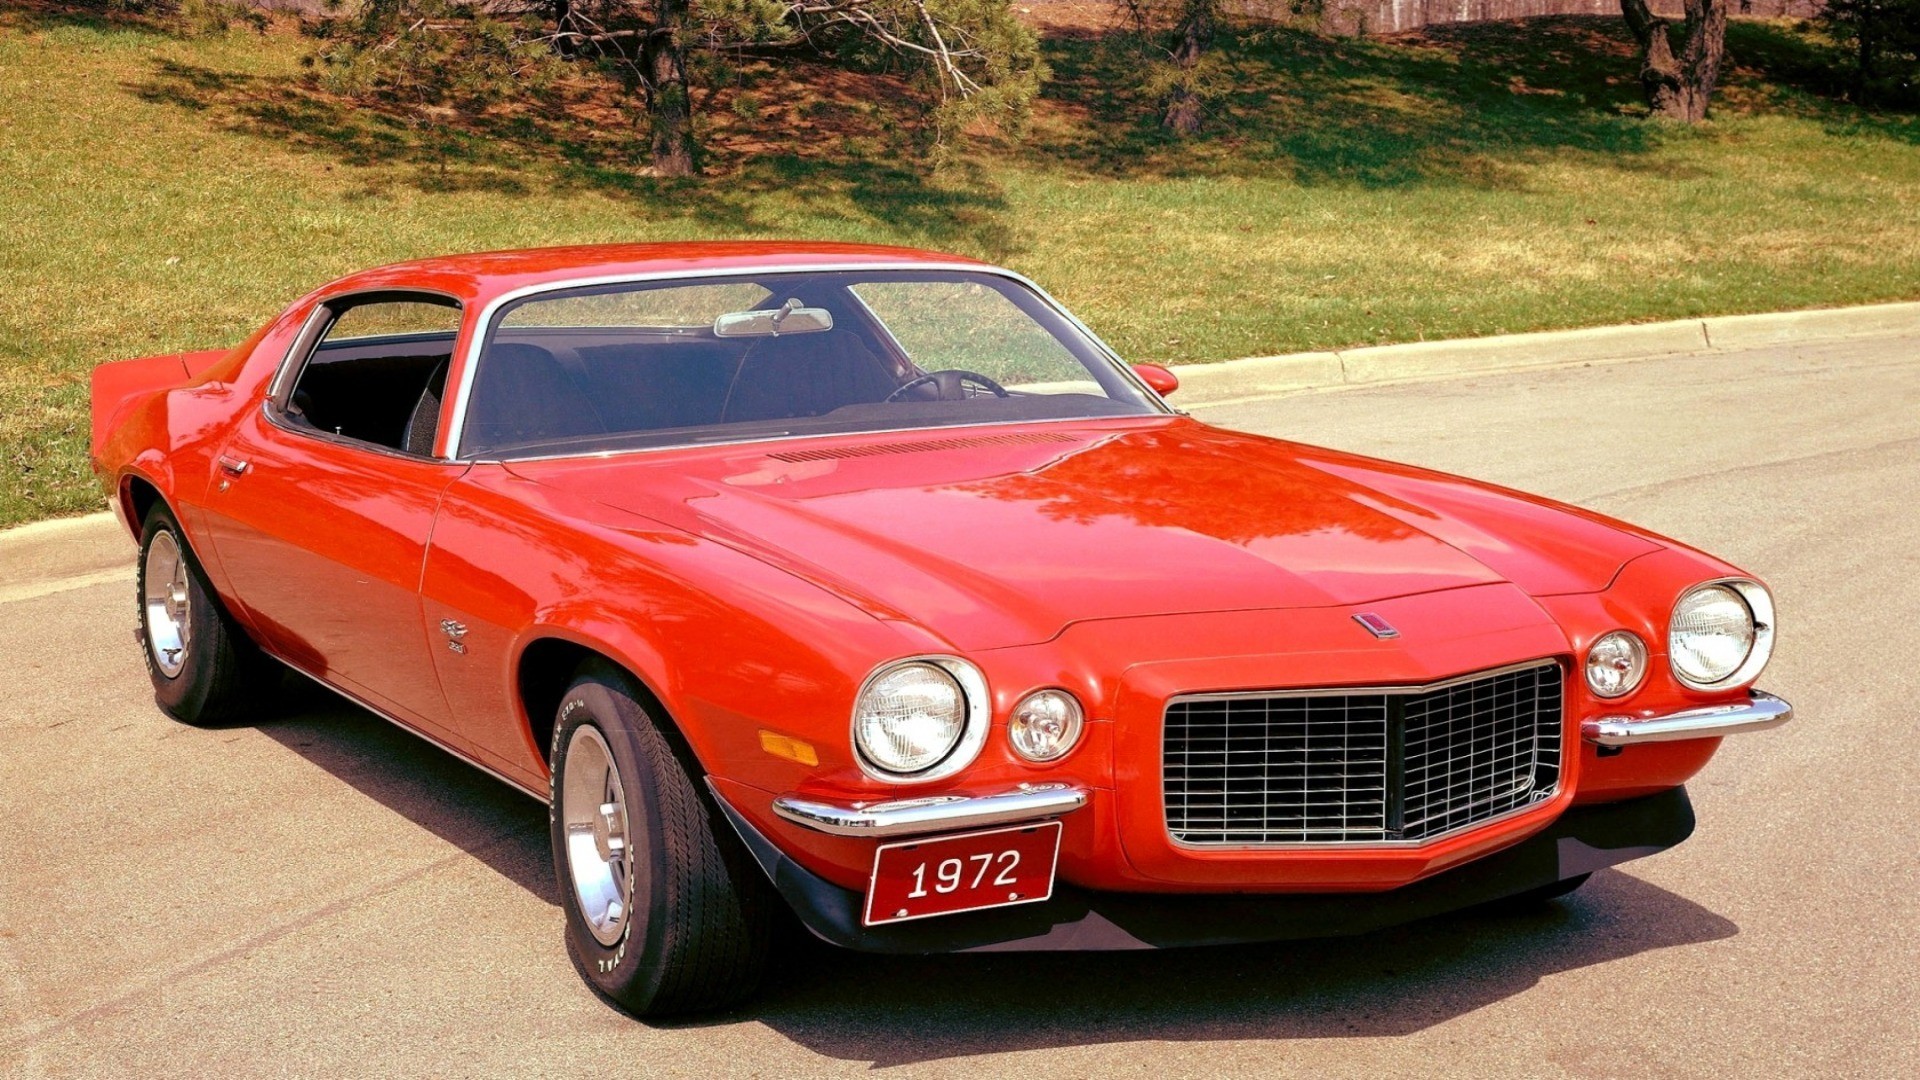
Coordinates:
483	275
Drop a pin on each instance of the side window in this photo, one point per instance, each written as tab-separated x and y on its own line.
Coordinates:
378	371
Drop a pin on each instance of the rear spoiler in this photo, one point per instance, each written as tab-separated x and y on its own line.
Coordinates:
121	385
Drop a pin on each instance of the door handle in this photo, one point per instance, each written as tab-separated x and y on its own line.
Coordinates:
233	466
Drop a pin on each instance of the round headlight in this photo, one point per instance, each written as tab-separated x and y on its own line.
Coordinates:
913	718
1045	725
1616	663
1720	634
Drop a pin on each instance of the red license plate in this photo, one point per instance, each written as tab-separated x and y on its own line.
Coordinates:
918	879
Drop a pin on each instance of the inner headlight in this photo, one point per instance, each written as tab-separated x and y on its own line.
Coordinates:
1045	725
1721	634
1616	663
916	719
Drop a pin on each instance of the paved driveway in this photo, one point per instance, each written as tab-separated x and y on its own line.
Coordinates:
321	894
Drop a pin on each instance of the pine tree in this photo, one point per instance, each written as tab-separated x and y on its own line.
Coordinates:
1883	37
976	59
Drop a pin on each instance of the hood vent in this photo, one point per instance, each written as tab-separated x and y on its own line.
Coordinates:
923	446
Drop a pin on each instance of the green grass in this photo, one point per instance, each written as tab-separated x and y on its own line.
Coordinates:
159	194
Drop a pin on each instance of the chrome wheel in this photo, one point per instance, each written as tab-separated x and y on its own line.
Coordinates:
593	810
166	604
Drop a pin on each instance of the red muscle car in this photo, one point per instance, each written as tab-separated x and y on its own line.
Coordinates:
869	583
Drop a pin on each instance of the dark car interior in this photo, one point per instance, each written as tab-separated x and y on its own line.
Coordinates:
582	382
369	389
567	386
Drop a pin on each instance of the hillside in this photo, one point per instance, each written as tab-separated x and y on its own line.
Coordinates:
165	193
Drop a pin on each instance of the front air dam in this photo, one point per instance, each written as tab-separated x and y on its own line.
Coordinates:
1580	841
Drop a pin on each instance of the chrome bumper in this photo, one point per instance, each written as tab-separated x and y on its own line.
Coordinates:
936	813
1762	712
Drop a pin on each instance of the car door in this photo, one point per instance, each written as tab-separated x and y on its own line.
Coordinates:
324	500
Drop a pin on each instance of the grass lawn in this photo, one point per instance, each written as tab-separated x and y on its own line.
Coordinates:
160	193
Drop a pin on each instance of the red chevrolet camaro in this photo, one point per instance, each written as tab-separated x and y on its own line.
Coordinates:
869	583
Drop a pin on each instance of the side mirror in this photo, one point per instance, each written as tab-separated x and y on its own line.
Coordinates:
1164	382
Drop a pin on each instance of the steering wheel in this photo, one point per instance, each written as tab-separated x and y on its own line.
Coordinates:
951	384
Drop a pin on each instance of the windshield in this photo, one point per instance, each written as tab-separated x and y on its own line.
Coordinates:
671	363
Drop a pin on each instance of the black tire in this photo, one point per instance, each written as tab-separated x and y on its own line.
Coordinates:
696	934
1534	899
221	674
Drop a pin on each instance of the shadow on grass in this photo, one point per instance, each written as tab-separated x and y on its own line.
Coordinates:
1447	106
833	162
1779	68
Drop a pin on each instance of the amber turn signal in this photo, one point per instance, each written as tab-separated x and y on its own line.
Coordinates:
786	746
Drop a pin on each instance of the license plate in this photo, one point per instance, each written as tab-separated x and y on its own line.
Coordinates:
918	879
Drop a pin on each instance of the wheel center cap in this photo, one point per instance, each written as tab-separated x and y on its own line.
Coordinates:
609	832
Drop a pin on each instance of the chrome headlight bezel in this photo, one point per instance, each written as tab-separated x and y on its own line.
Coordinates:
1759	605
967	745
1637	649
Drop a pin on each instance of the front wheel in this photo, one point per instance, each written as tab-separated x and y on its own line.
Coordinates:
666	913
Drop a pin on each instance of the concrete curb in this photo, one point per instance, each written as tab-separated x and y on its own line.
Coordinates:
1273	376
53	556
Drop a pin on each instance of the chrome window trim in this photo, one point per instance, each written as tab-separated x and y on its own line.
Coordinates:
1758	657
1542	805
300	346
307	341
470	362
279	422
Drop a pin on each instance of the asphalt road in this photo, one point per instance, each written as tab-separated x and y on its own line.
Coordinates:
322	895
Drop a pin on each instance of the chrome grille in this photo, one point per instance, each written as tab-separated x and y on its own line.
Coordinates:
1361	766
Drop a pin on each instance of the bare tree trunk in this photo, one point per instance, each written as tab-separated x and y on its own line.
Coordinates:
669	105
1679	86
1863	75
563	20
1197	24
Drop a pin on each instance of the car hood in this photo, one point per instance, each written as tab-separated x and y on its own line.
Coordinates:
1004	538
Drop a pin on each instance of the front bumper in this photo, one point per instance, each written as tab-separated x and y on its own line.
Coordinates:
1581	840
1760	712
935	813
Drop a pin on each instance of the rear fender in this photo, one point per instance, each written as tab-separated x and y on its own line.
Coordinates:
119	387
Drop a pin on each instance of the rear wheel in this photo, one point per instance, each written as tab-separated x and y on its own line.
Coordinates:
666	913
205	670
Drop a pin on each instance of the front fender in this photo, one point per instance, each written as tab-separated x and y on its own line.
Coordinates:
729	645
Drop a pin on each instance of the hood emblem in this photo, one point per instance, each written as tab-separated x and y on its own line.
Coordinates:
1376	625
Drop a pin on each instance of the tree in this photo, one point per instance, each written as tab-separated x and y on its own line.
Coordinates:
1679	85
1884	36
972	55
1193	37
1176	37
